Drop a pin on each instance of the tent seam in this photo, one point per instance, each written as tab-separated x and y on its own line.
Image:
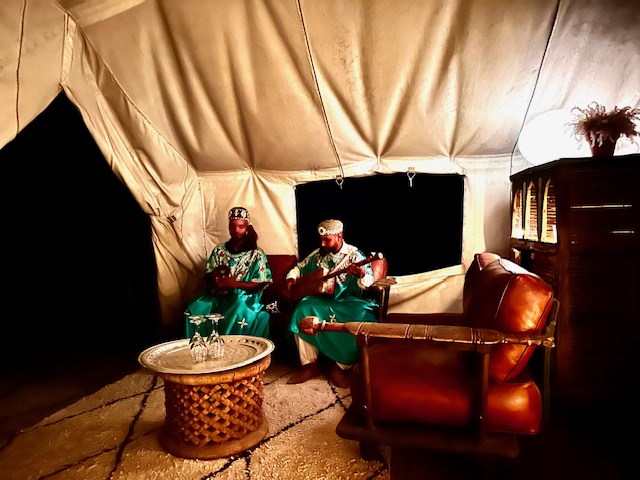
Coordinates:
124	93
315	80
23	14
535	85
203	218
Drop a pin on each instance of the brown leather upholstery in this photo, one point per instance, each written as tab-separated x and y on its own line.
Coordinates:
508	298
279	266
413	385
279	308
436	386
379	267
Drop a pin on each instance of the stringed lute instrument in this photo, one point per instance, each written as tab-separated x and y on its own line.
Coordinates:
321	281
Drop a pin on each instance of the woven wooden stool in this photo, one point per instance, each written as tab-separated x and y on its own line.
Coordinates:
214	415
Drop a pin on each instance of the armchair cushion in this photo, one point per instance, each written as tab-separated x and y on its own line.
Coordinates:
379	267
434	385
500	291
442	400
515	406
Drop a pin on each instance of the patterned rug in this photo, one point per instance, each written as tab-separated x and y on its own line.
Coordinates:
113	434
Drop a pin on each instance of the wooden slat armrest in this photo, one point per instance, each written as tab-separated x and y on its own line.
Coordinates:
385	282
433	333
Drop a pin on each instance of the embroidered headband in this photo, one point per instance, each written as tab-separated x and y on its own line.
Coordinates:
330	227
239	213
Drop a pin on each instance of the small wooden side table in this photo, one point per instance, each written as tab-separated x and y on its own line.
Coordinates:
213	408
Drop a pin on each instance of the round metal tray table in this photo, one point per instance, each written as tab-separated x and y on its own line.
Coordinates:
213	408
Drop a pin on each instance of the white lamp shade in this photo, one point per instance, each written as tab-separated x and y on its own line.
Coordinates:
548	137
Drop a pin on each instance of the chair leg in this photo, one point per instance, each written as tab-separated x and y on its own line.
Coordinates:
368	450
400	464
493	468
408	463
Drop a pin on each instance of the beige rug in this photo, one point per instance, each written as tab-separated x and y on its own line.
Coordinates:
113	434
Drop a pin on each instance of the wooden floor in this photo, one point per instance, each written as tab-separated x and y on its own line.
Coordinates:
32	390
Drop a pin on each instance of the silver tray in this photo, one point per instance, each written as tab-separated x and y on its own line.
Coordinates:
174	357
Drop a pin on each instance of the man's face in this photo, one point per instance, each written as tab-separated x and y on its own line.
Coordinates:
238	228
330	243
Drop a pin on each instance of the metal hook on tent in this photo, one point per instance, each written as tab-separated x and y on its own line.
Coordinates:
411	173
339	181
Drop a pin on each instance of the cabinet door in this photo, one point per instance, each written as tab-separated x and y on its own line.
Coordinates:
601	209
598	313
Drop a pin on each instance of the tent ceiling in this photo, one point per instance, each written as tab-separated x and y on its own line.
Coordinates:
296	85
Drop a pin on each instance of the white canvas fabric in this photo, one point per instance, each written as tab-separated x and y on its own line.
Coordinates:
202	105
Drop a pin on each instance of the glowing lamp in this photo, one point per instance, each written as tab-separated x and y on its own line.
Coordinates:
547	137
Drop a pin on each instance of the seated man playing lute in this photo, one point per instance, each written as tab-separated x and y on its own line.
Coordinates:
345	303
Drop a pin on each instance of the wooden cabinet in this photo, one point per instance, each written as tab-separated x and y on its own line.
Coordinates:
576	223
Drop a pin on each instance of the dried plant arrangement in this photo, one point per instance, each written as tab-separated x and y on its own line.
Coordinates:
598	125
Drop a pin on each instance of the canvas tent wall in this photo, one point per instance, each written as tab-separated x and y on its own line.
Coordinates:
201	105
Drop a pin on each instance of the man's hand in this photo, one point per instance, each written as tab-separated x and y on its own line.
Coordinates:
226	282
356	270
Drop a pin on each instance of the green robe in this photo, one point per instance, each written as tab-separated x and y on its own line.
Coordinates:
346	304
244	313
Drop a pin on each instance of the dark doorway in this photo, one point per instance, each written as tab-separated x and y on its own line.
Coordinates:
79	262
417	225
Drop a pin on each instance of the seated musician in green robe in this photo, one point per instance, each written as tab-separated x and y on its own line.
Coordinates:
237	273
345	303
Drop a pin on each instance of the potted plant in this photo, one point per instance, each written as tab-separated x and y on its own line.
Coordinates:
602	127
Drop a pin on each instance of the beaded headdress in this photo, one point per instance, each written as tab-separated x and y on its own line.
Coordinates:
330	227
239	213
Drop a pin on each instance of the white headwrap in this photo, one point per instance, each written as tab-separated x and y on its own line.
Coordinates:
330	227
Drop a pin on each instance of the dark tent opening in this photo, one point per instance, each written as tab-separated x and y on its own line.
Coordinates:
81	272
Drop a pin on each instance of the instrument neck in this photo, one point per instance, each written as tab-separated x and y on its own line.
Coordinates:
343	270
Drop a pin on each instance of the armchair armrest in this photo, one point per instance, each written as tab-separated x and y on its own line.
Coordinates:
434	333
380	290
381	287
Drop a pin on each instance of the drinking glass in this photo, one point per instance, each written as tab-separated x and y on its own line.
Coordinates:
215	342
197	344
